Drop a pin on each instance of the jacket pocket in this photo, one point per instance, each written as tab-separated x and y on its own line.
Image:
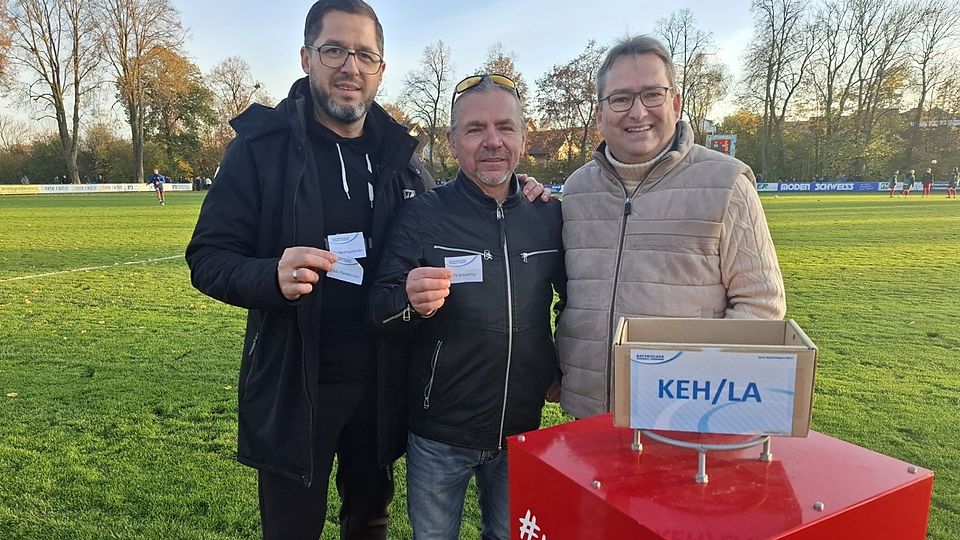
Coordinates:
252	355
691	237
487	256
428	388
525	256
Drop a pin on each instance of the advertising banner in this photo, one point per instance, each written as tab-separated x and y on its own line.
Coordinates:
20	189
842	187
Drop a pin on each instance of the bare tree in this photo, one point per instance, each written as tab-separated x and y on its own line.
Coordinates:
13	132
687	44
426	92
503	63
946	100
567	99
881	30
233	86
54	44
938	32
708	82
131	31
832	23
777	58
828	88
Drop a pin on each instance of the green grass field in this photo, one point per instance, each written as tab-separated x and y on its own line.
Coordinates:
117	378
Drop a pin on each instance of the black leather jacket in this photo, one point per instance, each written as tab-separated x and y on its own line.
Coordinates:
479	367
251	214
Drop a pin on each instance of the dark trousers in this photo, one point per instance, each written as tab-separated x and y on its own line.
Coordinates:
347	428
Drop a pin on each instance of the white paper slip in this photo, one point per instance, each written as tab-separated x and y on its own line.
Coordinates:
347	269
466	269
351	245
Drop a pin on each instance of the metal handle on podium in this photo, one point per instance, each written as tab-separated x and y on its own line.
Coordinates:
702	448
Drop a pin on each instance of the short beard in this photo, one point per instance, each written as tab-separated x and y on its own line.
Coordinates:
493	181
340	113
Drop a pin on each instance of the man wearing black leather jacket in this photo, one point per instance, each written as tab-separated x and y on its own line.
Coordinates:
469	271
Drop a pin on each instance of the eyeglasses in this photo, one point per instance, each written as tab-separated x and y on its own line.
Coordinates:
649	97
474	80
335	56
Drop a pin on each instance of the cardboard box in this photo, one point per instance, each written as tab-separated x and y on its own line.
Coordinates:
705	348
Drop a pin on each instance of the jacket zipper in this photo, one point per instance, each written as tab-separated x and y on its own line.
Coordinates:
253	345
627	203
487	256
308	481
405	313
524	256
433	373
506	264
627	210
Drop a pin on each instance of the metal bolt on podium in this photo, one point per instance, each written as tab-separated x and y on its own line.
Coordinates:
637	444
766	454
702	476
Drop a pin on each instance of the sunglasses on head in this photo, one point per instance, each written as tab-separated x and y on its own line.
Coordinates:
474	80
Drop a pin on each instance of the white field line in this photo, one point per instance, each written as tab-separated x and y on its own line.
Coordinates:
87	269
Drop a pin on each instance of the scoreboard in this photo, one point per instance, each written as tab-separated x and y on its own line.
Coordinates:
726	144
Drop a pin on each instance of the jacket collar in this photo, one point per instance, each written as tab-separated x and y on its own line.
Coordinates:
473	192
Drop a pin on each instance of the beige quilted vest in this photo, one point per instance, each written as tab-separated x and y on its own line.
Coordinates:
663	260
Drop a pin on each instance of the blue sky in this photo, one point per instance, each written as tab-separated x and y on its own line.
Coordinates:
541	33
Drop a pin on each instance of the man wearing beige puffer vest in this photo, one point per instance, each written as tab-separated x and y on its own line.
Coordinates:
654	226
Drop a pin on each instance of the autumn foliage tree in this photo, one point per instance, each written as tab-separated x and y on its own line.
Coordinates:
179	106
502	62
6	41
567	100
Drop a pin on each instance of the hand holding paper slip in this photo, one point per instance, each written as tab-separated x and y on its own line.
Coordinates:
427	287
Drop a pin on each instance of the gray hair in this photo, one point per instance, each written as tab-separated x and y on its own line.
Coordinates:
634	46
484	86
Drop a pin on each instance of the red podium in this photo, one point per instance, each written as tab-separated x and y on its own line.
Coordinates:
582	481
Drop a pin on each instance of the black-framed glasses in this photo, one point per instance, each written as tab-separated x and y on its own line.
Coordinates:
474	80
335	56
649	97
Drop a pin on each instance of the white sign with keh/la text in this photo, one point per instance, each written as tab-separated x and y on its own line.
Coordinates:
712	391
